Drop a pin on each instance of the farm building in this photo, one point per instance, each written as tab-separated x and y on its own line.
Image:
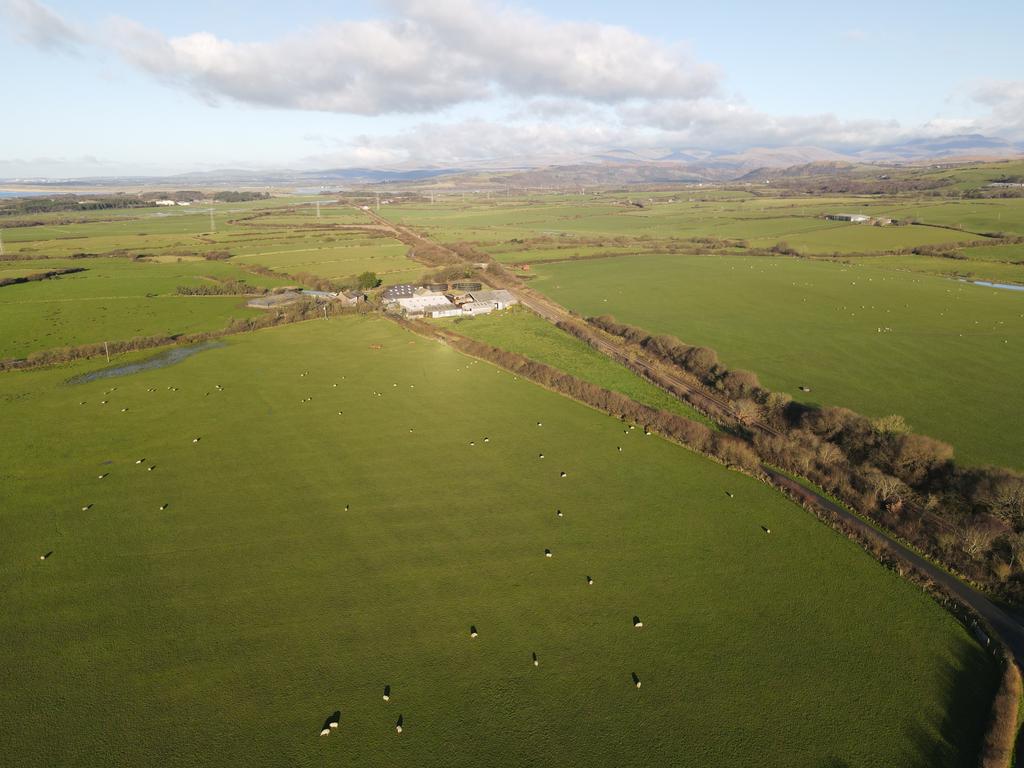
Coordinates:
398	291
856	218
426	304
474	308
449	310
468	286
500	299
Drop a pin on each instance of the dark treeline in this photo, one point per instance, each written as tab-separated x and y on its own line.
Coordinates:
40	276
221	288
230	196
971	519
31	205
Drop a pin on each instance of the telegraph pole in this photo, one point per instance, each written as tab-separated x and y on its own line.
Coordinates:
1	243
213	224
318	209
378	202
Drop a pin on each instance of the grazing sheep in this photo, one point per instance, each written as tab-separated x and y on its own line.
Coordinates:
766	529
590	581
103	475
636	679
163	507
124	410
46	555
564	475
547	553
325	732
387	693
536	661
103	402
399	723
150	469
540	423
472	631
637	623
558	513
619	448
346	507
730	494
87	507
487	439
540	455
139	461
472	442
195	439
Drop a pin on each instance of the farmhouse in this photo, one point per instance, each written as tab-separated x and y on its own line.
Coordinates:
856	218
500	299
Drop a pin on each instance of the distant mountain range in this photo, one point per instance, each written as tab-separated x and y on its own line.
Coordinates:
619	165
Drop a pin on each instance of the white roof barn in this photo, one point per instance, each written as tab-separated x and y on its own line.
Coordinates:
424	304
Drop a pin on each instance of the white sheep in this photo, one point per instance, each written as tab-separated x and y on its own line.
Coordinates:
564	474
590	581
325	732
547	553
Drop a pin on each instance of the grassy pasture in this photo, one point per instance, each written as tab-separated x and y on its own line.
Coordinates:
519	330
115	299
225	628
763	222
386	257
951	365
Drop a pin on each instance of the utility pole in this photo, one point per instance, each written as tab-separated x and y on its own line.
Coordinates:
318	209
378	202
106	351
1	243
213	224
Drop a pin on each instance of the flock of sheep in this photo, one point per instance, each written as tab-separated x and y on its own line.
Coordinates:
333	721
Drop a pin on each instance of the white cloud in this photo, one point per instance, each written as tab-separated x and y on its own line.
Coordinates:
1005	99
37	24
432	56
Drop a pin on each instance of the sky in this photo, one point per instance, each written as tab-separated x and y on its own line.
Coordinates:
111	88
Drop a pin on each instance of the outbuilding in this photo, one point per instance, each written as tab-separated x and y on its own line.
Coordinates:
500	299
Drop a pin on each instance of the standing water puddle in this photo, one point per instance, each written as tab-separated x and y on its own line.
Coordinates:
170	357
986	284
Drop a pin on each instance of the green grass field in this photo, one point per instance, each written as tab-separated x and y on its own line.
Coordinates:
309	557
115	299
951	364
519	330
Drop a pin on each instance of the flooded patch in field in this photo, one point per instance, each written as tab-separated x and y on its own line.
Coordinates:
162	360
1003	286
